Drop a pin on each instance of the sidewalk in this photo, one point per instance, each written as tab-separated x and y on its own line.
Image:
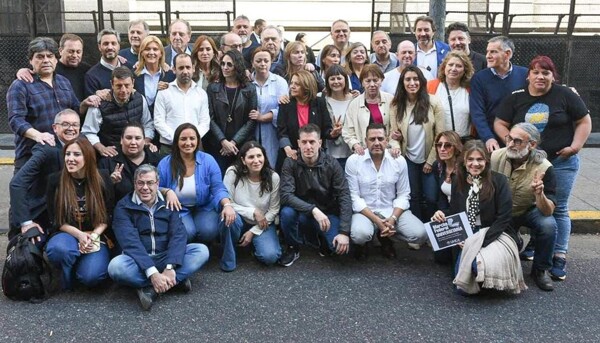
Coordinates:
584	202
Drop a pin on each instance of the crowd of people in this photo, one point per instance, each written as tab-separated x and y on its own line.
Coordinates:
132	168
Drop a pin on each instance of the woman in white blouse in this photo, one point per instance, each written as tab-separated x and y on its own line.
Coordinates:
254	192
337	95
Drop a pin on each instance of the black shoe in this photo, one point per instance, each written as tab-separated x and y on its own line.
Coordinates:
184	286
542	279
387	247
361	252
290	256
147	295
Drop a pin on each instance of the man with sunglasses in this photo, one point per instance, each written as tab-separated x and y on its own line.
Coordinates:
533	183
156	257
380	194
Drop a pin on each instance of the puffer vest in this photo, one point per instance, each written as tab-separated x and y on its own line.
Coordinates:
115	118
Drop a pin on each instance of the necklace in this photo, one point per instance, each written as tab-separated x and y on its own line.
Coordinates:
232	105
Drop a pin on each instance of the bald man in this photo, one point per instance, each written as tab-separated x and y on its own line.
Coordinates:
406	54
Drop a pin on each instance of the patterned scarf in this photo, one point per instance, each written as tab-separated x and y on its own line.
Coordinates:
473	199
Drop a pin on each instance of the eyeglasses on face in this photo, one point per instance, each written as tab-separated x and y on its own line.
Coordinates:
515	141
444	145
141	183
65	125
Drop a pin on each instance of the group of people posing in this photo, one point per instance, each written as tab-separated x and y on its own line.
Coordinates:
131	168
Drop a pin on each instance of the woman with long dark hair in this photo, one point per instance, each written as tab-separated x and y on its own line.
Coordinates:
254	191
330	55
338	97
80	203
486	198
416	118
205	61
195	178
232	101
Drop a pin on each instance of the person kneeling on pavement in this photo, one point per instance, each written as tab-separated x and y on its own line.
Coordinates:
315	198
380	194
533	185
156	257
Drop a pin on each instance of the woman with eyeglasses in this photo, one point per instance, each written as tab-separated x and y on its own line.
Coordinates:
195	178
416	118
254	191
205	61
448	148
565	124
452	88
232	102
295	57
150	75
356	58
80	204
269	88
489	258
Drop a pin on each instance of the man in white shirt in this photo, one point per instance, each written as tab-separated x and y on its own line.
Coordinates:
405	54
380	196
430	52
183	102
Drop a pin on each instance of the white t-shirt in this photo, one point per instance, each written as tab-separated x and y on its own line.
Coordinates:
460	107
338	148
415	142
187	194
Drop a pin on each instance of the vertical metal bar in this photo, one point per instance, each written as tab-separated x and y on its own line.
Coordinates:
373	16
100	15
505	18
569	42
112	18
33	31
572	19
168	13
234	9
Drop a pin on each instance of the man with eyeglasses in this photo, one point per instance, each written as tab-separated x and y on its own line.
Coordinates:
230	41
380	197
533	183
156	257
28	186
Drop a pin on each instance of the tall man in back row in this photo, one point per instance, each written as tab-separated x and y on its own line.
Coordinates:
430	53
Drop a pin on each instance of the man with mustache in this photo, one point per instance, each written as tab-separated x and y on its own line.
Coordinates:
533	184
459	39
138	30
241	27
99	76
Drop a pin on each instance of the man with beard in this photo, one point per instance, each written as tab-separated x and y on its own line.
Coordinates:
183	102
180	33
138	30
533	184
241	27
405	54
381	44
28	186
104	125
99	76
380	196
459	39
131	154
430	53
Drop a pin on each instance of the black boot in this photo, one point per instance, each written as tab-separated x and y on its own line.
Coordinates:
542	279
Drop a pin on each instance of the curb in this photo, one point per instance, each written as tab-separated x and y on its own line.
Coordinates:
7	161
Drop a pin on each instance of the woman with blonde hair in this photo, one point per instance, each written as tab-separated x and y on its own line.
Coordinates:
295	57
150	75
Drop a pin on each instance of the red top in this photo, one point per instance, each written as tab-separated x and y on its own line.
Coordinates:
376	116
302	114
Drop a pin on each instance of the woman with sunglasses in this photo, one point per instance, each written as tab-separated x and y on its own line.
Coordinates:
232	102
416	118
194	177
80	204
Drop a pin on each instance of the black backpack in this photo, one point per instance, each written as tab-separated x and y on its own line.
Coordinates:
26	274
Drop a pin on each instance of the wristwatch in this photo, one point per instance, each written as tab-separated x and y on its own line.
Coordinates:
170	267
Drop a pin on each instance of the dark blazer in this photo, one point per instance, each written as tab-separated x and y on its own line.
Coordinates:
126	184
479	61
495	212
107	192
438	170
219	109
28	186
169	51
287	121
140	87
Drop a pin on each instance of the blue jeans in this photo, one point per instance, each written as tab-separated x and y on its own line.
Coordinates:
543	232
294	222
566	171
123	269
201	225
89	269
423	191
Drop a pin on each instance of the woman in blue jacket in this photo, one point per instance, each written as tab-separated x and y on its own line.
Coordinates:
195	178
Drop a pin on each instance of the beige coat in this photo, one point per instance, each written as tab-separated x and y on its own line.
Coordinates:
435	124
358	117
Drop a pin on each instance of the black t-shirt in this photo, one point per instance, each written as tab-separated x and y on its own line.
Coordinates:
554	114
76	76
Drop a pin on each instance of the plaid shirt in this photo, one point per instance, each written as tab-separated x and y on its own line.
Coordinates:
34	105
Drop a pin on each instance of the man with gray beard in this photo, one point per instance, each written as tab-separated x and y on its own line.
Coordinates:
532	182
241	27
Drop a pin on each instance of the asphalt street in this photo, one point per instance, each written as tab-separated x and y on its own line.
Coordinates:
409	299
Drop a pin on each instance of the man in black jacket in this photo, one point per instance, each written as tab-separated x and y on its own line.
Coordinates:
314	198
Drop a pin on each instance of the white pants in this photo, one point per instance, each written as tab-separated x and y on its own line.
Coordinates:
408	228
